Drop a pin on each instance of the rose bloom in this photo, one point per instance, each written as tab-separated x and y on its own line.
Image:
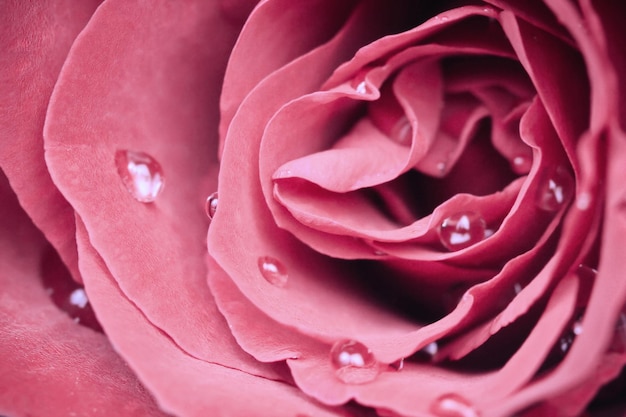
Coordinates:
415	208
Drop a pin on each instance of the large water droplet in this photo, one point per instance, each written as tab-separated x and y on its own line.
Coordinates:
142	175
555	190
211	205
273	271
353	362
453	405
462	230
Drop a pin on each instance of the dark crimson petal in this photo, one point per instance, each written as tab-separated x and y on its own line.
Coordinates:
50	365
557	72
34	40
413	390
612	30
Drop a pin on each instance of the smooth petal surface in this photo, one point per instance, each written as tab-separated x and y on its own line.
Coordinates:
50	365
155	91
185	385
35	39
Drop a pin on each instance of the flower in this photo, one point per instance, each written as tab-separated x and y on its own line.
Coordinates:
415	208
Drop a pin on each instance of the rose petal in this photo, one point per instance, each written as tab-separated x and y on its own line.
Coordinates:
50	365
282	42
35	40
611	29
557	72
156	91
183	384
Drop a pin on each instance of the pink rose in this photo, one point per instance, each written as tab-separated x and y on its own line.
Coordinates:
419	212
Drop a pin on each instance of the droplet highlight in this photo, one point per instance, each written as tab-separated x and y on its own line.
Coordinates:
141	174
69	296
353	362
522	164
583	201
78	298
397	365
402	132
360	84
453	405
211	205
273	271
555	190
462	230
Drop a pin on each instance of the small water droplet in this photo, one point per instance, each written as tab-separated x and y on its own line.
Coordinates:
402	132
522	164
583	201
517	288
431	349
586	273
273	271
65	293
565	341
442	167
361	88
353	362
397	365
360	83
555	190
142	175
78	298
443	18
453	405
462	230
211	205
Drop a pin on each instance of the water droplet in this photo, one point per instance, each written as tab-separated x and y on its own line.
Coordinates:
442	167
517	288
78	298
522	164
354	363
555	190
586	273
141	174
583	201
444	18
360	84
66	293
402	132
565	341
453	405
361	88
431	349
379	252
397	365
462	230
211	205
273	271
